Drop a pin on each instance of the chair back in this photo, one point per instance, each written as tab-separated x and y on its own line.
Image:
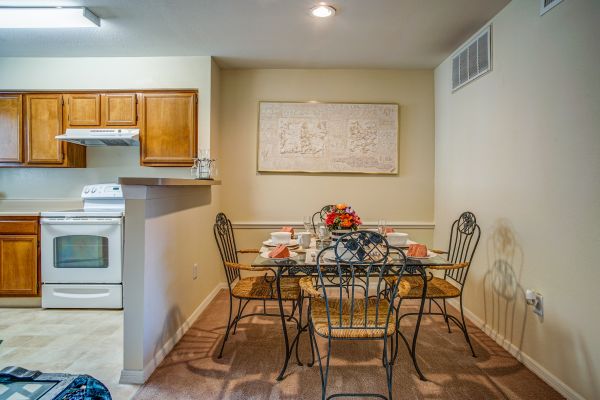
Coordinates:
362	262
227	248
320	215
464	238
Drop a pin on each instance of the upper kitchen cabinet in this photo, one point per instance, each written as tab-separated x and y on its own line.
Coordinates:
93	110
119	109
11	128
43	122
169	128
83	109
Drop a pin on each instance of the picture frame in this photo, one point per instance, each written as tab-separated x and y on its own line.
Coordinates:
328	138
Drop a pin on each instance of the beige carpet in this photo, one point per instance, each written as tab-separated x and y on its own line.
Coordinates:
253	356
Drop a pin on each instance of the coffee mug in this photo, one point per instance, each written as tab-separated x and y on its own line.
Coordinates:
281	237
304	239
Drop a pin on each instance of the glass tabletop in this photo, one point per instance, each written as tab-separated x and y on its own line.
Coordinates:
308	257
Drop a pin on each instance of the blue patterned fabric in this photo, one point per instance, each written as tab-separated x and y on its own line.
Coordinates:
86	387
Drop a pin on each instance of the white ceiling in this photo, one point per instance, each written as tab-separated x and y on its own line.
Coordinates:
263	33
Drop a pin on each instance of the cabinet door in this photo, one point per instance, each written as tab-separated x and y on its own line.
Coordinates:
44	122
11	128
18	265
169	129
83	109
120	109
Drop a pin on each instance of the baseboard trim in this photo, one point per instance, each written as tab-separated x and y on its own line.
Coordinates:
139	377
545	375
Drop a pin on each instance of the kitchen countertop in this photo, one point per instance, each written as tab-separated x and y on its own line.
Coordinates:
167	181
16	207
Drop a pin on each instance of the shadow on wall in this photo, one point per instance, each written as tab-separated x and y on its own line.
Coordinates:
197	198
505	307
172	323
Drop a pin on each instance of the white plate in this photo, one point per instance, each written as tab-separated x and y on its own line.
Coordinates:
269	243
265	254
430	254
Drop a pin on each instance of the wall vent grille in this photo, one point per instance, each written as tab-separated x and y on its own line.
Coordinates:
472	60
547	5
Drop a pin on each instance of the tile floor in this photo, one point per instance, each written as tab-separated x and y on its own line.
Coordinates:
69	341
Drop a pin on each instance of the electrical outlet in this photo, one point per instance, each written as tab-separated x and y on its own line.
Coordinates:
195	271
538	306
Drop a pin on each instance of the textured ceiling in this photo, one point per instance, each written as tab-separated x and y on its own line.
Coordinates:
263	33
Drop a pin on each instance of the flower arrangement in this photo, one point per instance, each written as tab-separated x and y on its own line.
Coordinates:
342	216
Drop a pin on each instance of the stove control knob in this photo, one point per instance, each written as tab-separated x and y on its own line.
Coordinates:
94	190
86	190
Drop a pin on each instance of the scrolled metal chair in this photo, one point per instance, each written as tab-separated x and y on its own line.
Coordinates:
246	289
364	314
464	238
320	215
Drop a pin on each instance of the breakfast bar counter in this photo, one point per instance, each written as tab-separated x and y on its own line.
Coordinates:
151	181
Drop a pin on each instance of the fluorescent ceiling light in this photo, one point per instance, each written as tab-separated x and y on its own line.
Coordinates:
47	17
322	11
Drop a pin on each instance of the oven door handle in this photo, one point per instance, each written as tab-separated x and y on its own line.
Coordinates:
80	221
80	295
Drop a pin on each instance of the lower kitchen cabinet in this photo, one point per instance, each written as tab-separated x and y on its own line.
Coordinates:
19	256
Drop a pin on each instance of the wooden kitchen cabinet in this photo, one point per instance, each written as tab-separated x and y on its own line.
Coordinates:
101	110
44	121
44	117
11	128
30	121
119	109
19	256
83	109
169	129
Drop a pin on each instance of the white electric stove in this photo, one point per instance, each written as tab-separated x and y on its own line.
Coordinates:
82	251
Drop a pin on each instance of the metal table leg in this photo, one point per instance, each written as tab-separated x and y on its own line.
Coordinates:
413	351
283	324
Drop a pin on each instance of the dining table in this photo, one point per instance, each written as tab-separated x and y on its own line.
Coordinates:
304	262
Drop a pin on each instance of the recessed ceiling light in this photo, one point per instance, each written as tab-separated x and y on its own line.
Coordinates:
322	11
48	17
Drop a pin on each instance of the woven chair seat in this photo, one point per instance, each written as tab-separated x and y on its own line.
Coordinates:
373	329
437	288
257	287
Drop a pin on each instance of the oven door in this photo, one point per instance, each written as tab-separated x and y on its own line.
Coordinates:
82	250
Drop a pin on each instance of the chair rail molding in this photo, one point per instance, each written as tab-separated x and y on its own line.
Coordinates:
296	224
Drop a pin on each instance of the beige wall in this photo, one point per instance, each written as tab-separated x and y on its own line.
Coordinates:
168	230
104	164
166	234
277	198
520	147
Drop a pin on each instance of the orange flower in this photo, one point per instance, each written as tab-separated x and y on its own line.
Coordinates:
341	206
346	223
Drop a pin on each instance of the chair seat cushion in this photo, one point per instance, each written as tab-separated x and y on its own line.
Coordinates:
257	287
437	288
375	325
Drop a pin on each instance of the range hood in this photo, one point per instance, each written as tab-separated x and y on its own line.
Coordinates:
102	137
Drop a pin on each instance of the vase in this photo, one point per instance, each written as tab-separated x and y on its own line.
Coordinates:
338	233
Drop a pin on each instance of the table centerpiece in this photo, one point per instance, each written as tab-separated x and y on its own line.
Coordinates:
342	219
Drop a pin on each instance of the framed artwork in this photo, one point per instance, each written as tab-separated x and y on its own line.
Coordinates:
328	138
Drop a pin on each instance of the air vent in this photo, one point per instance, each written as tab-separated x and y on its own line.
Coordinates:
472	60
547	5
